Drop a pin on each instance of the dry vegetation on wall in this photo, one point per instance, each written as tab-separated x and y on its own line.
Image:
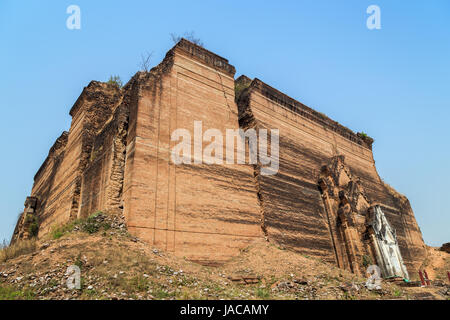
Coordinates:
188	36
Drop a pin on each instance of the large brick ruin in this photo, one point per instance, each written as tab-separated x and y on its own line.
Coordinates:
326	200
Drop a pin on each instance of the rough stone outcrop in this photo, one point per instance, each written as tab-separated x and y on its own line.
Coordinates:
116	158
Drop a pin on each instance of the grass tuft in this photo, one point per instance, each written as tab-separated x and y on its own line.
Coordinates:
89	225
9	293
262	293
19	248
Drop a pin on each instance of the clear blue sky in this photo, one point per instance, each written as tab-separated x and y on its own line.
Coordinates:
393	83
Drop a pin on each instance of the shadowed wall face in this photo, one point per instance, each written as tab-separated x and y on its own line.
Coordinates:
294	211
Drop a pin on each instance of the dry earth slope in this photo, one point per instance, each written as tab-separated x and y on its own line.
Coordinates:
115	265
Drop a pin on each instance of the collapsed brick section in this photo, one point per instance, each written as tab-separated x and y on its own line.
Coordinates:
116	158
102	180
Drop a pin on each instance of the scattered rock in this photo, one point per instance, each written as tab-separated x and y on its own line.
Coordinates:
439	283
301	281
445	292
245	279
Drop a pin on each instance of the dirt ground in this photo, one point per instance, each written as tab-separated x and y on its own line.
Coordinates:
115	265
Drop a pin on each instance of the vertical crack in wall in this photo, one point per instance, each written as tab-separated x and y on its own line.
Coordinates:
224	92
248	121
75	199
257	179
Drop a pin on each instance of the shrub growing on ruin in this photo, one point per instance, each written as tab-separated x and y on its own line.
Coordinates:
33	225
239	87
115	81
363	134
144	65
367	260
90	225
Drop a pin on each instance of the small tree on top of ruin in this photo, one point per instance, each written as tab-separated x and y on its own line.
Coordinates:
188	36
144	65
